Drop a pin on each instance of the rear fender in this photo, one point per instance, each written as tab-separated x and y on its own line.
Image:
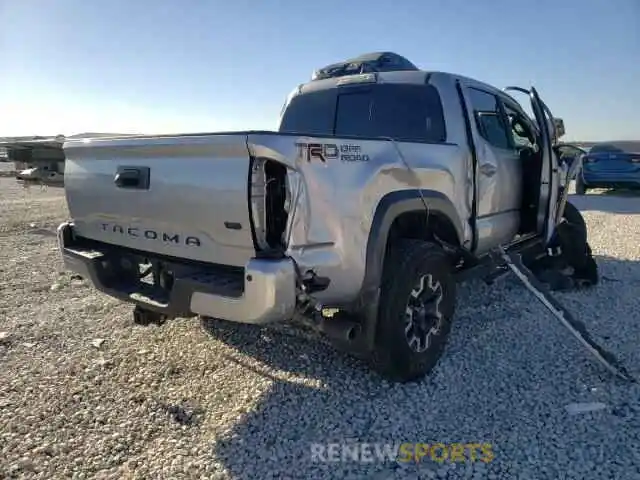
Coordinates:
390	207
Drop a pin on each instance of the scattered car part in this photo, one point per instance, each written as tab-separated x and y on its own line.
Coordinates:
144	317
578	408
577	328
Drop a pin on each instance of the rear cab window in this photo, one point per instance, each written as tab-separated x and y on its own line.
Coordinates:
402	112
311	113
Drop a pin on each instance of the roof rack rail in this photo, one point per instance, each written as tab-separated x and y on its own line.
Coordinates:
367	63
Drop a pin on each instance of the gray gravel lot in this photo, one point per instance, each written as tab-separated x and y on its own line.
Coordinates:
213	400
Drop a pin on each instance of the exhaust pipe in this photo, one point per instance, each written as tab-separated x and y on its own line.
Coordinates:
339	327
333	323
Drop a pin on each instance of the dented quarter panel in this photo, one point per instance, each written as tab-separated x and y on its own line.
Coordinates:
338	199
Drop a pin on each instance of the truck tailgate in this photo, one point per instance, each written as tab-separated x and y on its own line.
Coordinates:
181	196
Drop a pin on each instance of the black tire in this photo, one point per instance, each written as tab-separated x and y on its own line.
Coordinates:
411	263
574	217
574	242
581	188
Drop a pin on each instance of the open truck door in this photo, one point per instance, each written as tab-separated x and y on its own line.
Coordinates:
564	172
547	216
553	196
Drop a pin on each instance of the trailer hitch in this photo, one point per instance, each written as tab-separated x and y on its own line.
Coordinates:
577	328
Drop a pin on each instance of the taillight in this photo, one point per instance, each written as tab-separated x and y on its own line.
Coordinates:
269	194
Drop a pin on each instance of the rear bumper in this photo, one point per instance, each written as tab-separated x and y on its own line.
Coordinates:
263	292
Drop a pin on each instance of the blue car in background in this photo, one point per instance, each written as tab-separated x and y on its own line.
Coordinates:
609	166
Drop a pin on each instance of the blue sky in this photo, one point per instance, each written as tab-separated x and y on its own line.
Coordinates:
160	66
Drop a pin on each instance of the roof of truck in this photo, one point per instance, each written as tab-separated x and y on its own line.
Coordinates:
402	76
378	67
366	63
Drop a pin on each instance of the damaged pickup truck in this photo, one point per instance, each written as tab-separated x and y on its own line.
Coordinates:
384	186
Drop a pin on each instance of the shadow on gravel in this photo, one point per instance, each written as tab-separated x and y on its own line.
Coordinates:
287	348
610	201
507	375
43	232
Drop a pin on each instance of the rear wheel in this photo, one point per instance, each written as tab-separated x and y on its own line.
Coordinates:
417	303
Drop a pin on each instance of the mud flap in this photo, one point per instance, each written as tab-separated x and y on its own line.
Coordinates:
577	328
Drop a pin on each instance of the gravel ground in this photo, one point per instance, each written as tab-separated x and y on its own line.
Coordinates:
85	394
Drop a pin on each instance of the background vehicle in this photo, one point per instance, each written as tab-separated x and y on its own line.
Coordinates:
608	165
383	185
36	158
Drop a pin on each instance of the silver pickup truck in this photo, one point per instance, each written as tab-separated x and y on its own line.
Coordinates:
383	187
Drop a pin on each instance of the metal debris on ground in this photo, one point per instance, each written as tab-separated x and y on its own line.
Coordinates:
4	337
577	408
577	328
184	414
104	362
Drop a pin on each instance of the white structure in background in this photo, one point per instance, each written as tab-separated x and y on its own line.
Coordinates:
41	158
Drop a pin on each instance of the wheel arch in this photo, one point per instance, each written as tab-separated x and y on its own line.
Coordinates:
402	214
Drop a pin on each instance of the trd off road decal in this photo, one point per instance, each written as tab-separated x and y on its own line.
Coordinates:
352	153
321	152
308	152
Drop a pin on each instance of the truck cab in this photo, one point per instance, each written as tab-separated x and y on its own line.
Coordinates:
501	184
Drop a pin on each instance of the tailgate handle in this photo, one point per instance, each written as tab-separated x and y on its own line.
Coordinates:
132	177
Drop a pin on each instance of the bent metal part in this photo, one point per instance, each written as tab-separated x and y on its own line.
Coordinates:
577	328
150	234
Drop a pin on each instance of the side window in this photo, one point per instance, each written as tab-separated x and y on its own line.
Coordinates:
520	132
407	113
489	119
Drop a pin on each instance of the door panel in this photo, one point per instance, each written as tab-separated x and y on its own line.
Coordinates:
499	172
548	213
550	178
